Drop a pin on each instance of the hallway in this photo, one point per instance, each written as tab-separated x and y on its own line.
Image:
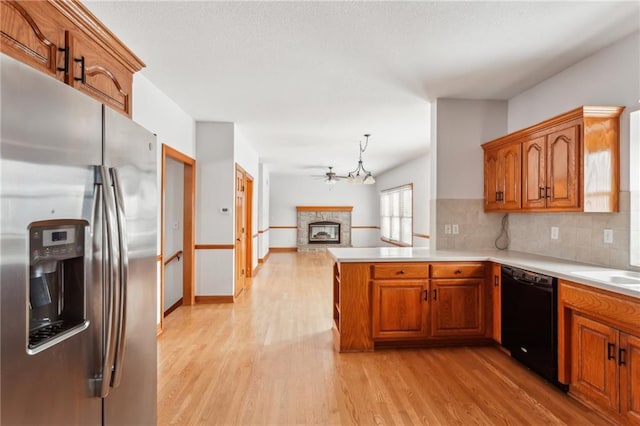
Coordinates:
269	359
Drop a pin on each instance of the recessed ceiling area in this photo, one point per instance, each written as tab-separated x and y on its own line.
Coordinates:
304	81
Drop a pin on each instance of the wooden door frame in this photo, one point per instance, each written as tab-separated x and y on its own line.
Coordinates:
188	236
248	222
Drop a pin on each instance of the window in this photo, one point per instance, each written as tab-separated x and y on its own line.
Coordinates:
634	165
396	215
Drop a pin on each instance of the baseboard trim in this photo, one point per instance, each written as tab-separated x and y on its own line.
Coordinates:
173	307
264	259
213	299
282	249
159	329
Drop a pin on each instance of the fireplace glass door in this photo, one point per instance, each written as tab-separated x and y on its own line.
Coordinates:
324	233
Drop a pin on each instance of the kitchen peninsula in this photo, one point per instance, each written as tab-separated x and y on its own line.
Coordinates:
416	297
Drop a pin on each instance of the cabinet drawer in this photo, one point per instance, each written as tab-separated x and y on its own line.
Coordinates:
457	270
400	270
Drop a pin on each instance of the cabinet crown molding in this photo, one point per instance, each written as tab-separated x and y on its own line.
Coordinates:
585	111
92	27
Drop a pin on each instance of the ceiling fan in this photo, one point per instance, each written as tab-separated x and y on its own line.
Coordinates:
330	177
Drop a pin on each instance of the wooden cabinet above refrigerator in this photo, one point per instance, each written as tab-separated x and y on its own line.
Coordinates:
569	163
64	40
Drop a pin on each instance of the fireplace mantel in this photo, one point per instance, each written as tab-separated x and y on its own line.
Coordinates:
324	208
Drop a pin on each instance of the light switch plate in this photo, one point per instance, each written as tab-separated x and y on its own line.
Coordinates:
554	232
447	228
454	229
608	236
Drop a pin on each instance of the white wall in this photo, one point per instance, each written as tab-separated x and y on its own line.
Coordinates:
462	126
161	115
215	172
263	211
418	173
609	77
219	147
287	192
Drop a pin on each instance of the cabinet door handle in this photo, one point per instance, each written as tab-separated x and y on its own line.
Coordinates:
611	351
65	68
457	272
541	193
426	294
83	75
435	294
496	281
621	356
547	192
401	271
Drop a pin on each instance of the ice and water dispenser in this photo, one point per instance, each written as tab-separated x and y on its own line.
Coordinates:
57	300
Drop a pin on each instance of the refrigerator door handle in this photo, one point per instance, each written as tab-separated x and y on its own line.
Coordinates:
124	275
111	295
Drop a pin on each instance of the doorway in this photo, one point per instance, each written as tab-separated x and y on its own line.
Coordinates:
178	231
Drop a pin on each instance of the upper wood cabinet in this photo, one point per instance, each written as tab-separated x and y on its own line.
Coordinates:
502	173
99	75
567	163
64	40
32	32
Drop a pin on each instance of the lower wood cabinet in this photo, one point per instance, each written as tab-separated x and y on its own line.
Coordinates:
457	307
599	350
391	304
400	309
496	302
420	301
605	367
594	370
630	377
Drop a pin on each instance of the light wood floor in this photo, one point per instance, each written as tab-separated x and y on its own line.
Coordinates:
268	359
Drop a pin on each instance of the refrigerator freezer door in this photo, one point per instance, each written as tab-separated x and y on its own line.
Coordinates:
50	138
131	151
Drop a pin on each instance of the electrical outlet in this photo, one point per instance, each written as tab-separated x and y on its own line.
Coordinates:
554	232
608	236
455	229
447	229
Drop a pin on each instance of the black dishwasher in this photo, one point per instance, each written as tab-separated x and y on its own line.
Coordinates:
529	320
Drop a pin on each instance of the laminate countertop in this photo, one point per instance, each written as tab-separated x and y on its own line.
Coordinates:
563	269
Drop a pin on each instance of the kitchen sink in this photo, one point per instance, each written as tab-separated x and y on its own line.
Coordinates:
617	277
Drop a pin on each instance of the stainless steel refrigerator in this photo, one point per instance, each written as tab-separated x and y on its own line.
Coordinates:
78	237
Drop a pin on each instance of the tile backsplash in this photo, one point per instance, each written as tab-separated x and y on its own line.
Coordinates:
476	229
580	235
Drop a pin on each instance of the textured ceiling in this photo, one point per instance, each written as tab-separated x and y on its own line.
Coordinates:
303	81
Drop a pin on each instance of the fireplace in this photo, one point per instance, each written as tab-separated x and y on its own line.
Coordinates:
320	227
324	233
